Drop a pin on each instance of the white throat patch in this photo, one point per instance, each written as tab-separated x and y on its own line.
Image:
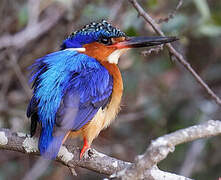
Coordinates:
114	56
76	49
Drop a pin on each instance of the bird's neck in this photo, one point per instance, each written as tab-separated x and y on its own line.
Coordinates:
117	78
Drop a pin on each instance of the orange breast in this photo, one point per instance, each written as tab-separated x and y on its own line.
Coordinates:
114	106
117	78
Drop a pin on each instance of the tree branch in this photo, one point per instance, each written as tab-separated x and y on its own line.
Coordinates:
34	29
68	154
172	14
173	52
144	165
162	146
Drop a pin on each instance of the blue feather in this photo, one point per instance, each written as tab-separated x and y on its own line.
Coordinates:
69	88
91	33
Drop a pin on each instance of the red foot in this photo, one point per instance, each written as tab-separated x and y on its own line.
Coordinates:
85	147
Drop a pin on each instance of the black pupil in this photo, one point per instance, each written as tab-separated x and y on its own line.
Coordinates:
105	41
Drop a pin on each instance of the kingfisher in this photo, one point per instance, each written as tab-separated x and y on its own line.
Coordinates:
77	90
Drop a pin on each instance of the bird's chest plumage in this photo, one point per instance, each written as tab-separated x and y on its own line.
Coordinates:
114	106
106	115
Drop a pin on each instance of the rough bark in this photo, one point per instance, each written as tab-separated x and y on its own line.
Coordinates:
144	167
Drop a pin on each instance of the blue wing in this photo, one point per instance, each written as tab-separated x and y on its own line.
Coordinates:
69	88
86	94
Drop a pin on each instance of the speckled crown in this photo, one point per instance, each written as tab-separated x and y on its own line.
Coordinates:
104	26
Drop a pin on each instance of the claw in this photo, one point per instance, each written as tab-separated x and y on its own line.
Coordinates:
85	148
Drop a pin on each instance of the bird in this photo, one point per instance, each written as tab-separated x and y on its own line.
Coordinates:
77	90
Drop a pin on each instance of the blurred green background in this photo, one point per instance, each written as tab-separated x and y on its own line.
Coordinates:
160	96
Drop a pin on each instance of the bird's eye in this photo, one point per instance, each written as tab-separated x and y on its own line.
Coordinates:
106	41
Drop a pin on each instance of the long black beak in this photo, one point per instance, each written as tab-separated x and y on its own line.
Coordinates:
137	42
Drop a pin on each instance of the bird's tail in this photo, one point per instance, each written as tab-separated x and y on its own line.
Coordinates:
49	145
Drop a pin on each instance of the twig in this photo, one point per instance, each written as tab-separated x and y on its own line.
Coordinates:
31	32
162	146
156	50
19	74
176	54
172	14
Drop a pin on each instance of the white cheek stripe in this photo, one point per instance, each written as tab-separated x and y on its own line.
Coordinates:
76	49
114	56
